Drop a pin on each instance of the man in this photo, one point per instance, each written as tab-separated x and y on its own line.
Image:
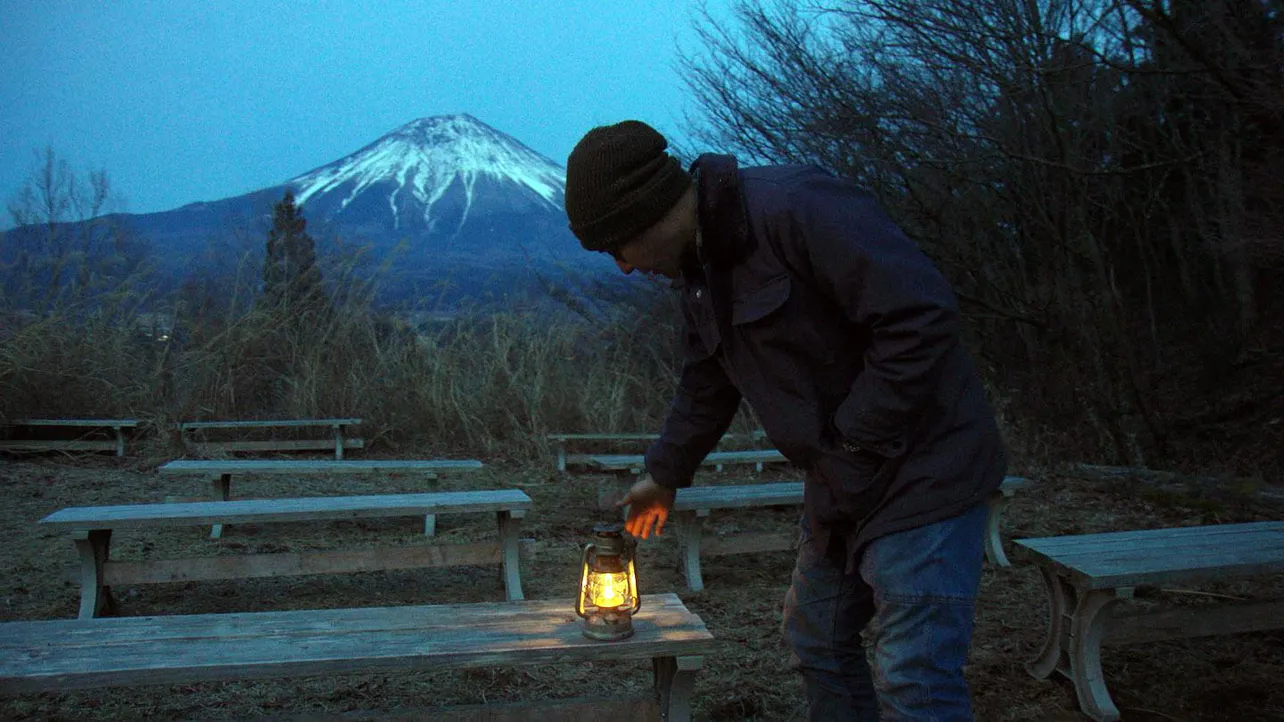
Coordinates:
803	298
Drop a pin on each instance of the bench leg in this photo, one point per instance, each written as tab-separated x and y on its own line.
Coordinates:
993	542
674	683
561	457
1073	644
120	441
222	492
94	547
430	525
510	526
338	441
690	532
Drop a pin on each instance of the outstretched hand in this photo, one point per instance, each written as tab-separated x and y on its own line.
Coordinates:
649	504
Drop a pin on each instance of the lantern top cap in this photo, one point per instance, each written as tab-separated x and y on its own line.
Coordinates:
608	529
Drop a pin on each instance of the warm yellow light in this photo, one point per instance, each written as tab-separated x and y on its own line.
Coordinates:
608	590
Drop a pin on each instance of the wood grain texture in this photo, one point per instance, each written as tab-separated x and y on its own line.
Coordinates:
279	510
74	654
1158	556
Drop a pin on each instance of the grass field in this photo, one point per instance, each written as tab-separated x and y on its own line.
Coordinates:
1220	678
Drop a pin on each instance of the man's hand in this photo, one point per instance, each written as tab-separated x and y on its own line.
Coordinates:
649	505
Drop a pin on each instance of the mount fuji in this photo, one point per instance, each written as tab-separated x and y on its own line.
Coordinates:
445	206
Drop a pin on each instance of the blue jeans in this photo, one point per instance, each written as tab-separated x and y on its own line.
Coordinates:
914	595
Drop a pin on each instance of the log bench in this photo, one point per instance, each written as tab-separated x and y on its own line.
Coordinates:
1086	575
220	473
92	527
563	441
337	440
635	463
88	427
694	504
45	656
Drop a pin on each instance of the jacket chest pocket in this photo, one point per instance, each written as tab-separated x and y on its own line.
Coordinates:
763	319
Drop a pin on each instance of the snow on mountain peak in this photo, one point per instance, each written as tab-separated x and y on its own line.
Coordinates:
421	160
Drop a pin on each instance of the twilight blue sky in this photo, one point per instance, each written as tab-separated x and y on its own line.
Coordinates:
188	100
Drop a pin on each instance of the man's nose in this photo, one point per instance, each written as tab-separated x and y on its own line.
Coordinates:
625	268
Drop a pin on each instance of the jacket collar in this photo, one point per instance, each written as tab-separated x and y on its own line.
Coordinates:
724	224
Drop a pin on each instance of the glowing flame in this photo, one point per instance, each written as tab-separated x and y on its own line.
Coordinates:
609	590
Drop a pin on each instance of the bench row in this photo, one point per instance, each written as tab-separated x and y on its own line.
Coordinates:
91	439
92	529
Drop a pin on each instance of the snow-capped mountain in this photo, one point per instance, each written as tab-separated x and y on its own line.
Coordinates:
454	199
434	175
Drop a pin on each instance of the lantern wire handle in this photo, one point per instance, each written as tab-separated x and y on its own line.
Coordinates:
584	576
633	586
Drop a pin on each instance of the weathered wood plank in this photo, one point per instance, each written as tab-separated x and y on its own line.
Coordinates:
72	654
301	467
273	445
58	444
297	509
1100	561
103	423
638	436
1154	537
253	566
788	493
98	632
266	423
618	462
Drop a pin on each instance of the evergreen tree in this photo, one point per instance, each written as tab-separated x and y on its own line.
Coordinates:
291	279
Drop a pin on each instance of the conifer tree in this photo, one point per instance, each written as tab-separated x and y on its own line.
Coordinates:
291	279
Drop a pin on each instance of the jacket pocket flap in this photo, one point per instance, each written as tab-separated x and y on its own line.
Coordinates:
761	301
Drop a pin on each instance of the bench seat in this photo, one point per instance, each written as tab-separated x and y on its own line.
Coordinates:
220	472
338	439
92	527
43	656
1086	575
694	504
634	463
116	444
562	441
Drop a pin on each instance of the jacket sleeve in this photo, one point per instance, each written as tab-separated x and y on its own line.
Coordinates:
883	282
703	407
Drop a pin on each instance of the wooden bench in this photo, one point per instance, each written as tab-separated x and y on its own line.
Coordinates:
635	463
44	656
694	504
220	473
338	439
1085	576
564	440
82	443
92	527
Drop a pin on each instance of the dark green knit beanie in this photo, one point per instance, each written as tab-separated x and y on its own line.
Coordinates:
619	182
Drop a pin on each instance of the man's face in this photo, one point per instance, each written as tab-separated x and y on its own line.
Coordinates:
659	249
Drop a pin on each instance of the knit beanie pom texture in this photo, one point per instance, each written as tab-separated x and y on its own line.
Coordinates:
620	182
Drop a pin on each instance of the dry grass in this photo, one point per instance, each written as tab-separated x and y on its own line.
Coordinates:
1227	678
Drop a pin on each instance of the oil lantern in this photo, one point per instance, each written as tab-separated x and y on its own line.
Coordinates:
608	584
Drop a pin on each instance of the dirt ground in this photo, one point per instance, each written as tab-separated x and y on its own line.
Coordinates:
1220	678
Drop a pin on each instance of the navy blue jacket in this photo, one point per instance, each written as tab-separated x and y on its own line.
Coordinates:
810	304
